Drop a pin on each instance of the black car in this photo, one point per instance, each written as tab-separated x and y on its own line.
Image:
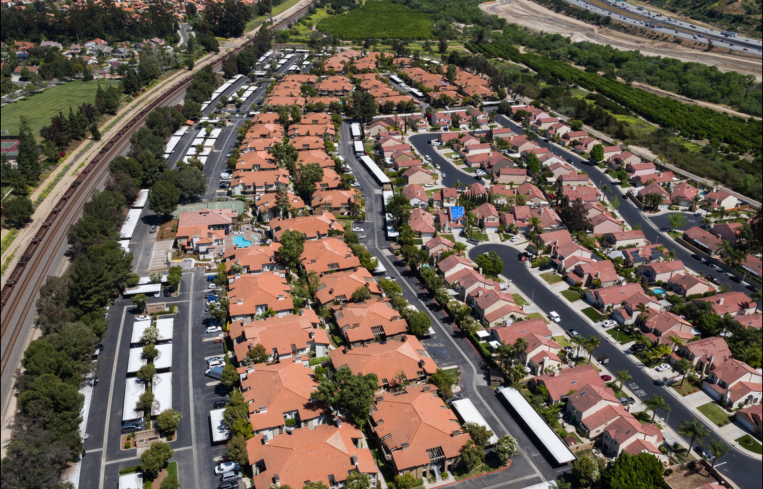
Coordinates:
735	279
712	279
166	292
132	426
231	484
697	257
472	241
220	403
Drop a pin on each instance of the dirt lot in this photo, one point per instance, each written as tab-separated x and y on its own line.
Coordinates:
533	16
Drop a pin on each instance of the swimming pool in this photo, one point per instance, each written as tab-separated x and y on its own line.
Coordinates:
658	290
241	242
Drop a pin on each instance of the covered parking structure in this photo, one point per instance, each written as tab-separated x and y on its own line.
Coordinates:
538	426
468	413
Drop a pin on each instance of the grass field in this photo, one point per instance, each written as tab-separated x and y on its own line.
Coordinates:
685	388
305	30
257	21
519	300
591	313
40	107
380	20
715	413
571	295
449	236
551	277
750	444
621	337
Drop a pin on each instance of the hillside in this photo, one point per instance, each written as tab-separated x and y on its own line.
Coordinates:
742	16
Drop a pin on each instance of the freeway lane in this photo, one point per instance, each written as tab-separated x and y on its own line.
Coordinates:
627	210
641	384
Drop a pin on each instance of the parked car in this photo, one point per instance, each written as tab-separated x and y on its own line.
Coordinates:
152	230
472	241
665	381
231	484
142	317
608	323
734	278
573	333
216	363
233	475
514	239
662	367
554	317
132	426
606	378
704	453
167	292
429	185
697	257
226	467
213	329
358	230
211	277
213	286
220	403
362	236
627	401
218	358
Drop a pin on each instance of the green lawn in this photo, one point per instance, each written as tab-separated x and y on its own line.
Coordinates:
537	315
448	236
40	107
715	413
478	235
592	314
750	443
418	242
380	20
571	295
685	388
551	277
172	469
621	337
562	340
255	22
519	300
469	170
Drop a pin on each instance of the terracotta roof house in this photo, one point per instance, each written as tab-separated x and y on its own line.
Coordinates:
476	190
604	224
266	205
568	255
203	231
341	202
419	175
688	284
655	189
721	198
560	383
416	195
622	160
641	169
661	271
316	157
683	194
494	307
252	295
468	280
328	255
627	238
532	194
706	354
584	274
488	217
312	227
705	241
366	322
731	303
307	143
574	179
339	286
660	327
422	223
542	351
334	86
754	265
734	383
582	192
513	176
454	264
255	161
259	182
593	407
605	297
254	259
387	360
751	418
727	230
750	320
279	392
642	254
319	130
438	245
630	435
328	453
417	432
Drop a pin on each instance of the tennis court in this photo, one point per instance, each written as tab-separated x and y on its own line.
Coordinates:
236	205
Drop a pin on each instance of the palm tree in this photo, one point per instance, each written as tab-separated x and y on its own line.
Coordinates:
677	341
685	366
757	296
579	341
520	346
694	202
694	430
592	342
661	351
559	484
504	351
604	188
623	376
459	248
458	185
718	448
534	223
656	402
672	253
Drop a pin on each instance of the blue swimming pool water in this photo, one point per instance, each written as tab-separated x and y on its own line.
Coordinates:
658	291
241	242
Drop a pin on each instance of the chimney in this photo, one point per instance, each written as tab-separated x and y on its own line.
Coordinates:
312	334
421	363
720	301
331	291
265	442
354	459
479	293
338	422
480	270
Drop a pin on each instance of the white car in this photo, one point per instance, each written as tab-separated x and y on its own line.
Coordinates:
428	185
358	230
362	236
218	358
355	184
662	368
213	329
216	363
212	285
554	316
142	317
608	323
427	157
514	239
226	467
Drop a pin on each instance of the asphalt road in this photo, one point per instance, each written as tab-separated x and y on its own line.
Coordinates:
641	385
448	347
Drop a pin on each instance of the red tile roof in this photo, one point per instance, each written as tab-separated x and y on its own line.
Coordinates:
562	382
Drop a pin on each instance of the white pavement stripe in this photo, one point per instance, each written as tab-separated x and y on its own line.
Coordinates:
105	444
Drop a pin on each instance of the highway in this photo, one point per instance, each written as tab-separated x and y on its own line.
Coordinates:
630	14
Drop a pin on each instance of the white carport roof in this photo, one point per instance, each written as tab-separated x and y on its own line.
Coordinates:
162	390
136	360
134	387
164	358
469	414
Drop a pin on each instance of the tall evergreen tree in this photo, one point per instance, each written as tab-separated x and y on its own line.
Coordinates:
28	157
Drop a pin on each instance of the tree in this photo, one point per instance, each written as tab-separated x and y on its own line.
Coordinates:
656	402
362	106
292	246
191	182
472	455
18	210
533	163
361	294
236	416
229	376
405	481
623	376
480	434
586	471
145	401
95	132
492	265
642	471
718	448
419	322
694	430
442	45
140	301
306	179
677	220
150	352
155	459
576	125
150	335
443	381
175	276
28	159
170	482
597	153
168	421
163	197
356	480
352	392
147	372
591	343
315	485
506	448
575	216
237	450
258	354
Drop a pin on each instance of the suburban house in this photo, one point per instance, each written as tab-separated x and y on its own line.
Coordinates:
279	398
593	408
683	195
339	286
259	182
586	274
342	202
511	176
661	271
727	230
366	322
417	432
454	264
204	230
419	176
660	328
627	238
468	280
583	193
604	224
705	354
328	255
438	245
754	265
613	296
704	240
312	227
447	197
416	195
541	354
254	259
422	223
751	418
687	285
301	455
398	364
266	205
488	217
253	295
627	434
721	198
734	383
731	303
495	307
633	257
560	383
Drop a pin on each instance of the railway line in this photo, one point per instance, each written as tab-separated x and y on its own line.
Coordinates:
20	290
